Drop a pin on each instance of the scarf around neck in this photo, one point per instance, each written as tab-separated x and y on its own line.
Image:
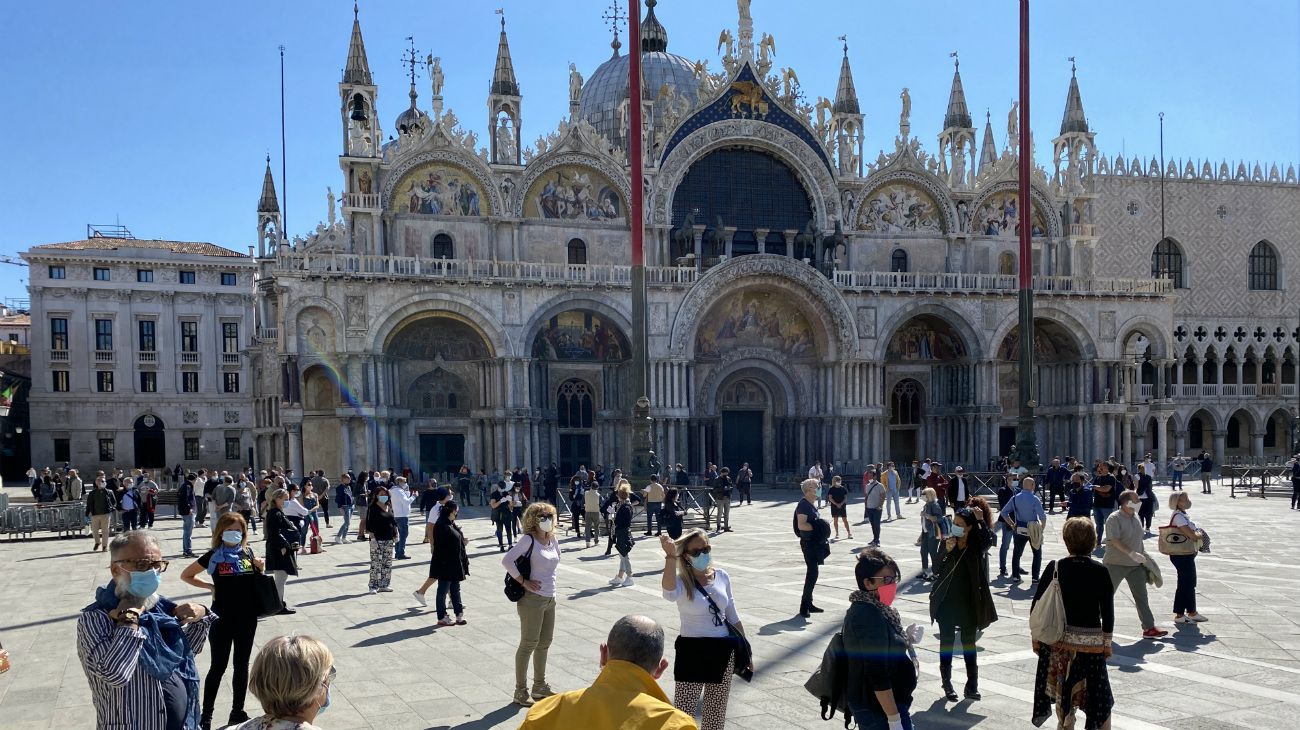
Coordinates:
224	553
890	614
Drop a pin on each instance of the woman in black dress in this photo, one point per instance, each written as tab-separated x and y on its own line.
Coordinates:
281	544
450	564
960	601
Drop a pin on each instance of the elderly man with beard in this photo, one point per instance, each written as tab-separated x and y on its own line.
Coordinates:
137	647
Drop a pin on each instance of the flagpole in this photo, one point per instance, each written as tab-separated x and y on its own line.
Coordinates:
642	445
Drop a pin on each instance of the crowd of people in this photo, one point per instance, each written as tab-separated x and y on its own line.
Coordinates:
138	647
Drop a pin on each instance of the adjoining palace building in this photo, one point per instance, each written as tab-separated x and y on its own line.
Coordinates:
472	304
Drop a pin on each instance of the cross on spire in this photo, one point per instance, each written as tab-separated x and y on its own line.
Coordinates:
502	13
614	18
956	62
845	40
411	59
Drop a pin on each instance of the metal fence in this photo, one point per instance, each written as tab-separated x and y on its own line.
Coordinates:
61	518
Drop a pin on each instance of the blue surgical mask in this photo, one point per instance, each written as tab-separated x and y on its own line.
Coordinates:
325	706
702	561
232	537
383	498
958	530
144	583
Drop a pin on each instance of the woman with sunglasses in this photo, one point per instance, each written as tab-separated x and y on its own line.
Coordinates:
961	601
882	665
705	651
231	564
291	678
382	526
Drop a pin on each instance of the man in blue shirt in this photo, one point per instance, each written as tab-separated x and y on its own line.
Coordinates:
1023	511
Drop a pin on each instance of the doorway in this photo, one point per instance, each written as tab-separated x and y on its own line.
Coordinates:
906	407
1006	440
150	442
742	441
441	453
575	451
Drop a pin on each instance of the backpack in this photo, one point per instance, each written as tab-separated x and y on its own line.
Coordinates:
829	682
1047	618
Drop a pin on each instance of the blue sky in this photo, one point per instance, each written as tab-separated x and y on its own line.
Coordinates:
159	113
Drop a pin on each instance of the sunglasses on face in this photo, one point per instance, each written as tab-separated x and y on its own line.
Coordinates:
139	566
884	579
699	551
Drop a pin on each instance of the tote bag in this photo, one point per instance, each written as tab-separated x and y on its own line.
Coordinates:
1047	619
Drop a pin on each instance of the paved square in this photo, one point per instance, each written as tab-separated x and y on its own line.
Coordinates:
396	671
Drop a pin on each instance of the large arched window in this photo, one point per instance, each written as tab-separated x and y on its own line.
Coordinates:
1167	261
574	405
905	404
1263	267
443	248
577	250
898	260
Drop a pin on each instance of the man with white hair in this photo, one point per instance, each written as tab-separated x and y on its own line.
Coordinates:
400	499
137	647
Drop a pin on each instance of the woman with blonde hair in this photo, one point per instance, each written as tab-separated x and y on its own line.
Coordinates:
281	543
932	533
291	678
705	651
623	534
537	607
1185	593
232	565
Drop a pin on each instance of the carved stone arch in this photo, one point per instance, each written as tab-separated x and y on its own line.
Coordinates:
977	347
1254	424
794	398
1060	316
747	134
610	310
1210	419
818	298
476	168
328	307
443	305
1041	198
553	159
1149	328
922	179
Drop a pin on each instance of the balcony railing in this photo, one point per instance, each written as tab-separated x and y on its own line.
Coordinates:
58	356
477	271
188	358
360	200
1144	391
146	357
230	358
105	357
1083	229
267	334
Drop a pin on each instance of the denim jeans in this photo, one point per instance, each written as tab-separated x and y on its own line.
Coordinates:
652	510
1177	480
187	531
1007	534
1099	515
347	523
1021	542
445	587
403	529
892	496
929	552
130	519
1185	594
874	516
874	719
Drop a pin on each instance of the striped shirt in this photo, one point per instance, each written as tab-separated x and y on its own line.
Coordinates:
125	696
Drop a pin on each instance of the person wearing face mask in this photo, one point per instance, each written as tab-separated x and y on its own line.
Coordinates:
281	543
537	608
705	660
382	527
1125	556
450	564
291	678
137	647
623	535
231	565
100	504
961	601
882	666
1023	514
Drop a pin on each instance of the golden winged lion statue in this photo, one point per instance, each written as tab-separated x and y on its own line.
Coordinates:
747	100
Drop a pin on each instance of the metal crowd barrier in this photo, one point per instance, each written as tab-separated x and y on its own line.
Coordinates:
63	518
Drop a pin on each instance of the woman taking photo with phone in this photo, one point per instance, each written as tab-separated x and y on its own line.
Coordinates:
960	600
705	650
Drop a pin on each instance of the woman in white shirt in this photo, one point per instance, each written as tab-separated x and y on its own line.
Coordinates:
705	658
537	607
1185	594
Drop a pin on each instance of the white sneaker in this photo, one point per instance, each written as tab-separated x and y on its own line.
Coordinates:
1198	618
373	591
419	598
629	582
1180	619
616	581
337	541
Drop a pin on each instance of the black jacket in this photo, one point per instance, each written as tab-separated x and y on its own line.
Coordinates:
449	559
961	595
878	658
280	535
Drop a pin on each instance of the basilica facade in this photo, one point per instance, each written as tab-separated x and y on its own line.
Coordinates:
471	302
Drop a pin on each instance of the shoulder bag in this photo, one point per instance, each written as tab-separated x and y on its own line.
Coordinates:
514	589
1173	541
742	651
1047	617
266	599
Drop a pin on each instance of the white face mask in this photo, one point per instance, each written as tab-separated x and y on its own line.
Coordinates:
546	525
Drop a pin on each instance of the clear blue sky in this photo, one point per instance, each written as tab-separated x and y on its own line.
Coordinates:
159	113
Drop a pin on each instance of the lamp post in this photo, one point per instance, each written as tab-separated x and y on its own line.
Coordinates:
1026	448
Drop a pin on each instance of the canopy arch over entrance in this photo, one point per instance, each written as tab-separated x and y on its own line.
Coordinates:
753	417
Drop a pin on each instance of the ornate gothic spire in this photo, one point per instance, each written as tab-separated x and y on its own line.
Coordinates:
269	202
654	37
1074	119
958	115
358	69
503	78
846	96
988	148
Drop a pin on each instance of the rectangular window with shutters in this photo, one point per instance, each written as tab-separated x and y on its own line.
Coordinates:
191	448
63	449
58	333
102	274
187	277
232	449
147	340
189	336
144	276
231	382
189	382
104	381
230	337
61	381
103	334
58	272
148	382
107	450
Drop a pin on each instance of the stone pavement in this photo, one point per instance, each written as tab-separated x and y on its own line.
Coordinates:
396	671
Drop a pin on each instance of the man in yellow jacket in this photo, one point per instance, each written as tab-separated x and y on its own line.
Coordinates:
625	696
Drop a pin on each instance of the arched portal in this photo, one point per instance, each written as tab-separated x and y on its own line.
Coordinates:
575	409
906	409
745	404
321	429
150	442
929	389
